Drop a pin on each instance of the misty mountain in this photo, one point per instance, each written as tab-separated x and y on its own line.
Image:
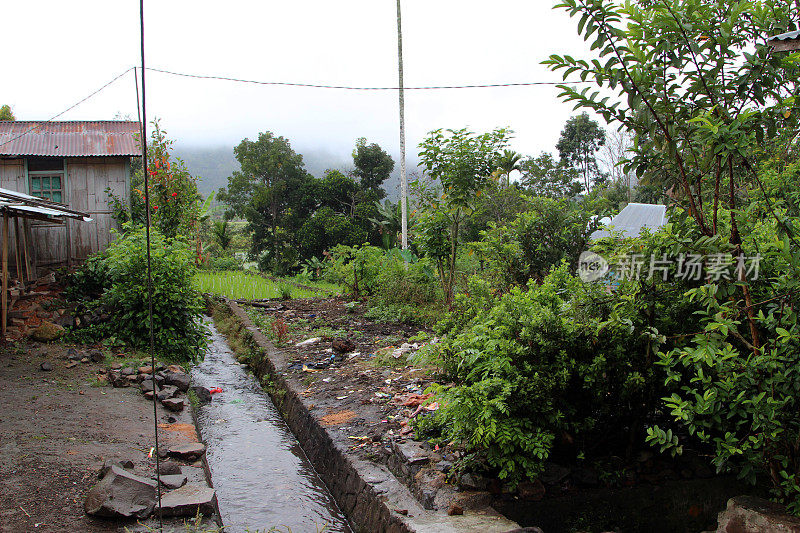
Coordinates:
213	164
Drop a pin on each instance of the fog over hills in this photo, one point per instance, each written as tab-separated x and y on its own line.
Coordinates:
213	165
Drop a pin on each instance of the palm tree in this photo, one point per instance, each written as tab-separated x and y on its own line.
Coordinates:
508	162
222	233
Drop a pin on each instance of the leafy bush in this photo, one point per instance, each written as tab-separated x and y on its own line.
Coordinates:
355	267
538	371
536	241
176	305
90	281
742	400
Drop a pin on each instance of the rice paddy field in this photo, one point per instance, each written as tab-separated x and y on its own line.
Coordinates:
240	285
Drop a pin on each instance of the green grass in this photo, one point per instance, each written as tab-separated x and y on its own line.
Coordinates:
246	286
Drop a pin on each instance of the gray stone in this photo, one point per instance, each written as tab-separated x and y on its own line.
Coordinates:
188	500
174	404
189	451
146	385
178	379
472	482
96	356
73	355
169	391
121	494
127	464
173	481
444	466
168	468
46	366
203	394
749	514
411	452
128	371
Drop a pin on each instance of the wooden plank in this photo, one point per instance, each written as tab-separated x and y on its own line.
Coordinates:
18	255
68	244
4	304
26	232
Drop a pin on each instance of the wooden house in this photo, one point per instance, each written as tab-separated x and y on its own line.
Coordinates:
76	164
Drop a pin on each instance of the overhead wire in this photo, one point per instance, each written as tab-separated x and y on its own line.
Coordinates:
360	88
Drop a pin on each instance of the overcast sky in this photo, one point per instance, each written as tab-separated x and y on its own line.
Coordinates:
57	52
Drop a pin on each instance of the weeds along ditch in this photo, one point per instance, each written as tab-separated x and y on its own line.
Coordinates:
239	285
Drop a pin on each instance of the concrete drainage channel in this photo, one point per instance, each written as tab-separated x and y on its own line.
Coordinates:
371	497
261	475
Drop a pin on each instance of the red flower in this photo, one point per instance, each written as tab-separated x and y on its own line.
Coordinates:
174	194
155	207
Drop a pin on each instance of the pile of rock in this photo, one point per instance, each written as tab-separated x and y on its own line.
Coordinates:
122	494
166	383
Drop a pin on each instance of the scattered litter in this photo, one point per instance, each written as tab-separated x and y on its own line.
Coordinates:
341	397
150	455
412	400
362	438
215	390
433	406
307	369
327	380
309	342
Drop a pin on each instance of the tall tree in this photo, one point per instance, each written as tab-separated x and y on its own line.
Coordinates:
373	166
462	162
272	176
508	163
544	176
6	113
580	140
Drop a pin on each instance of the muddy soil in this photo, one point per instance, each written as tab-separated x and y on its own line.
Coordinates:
56	429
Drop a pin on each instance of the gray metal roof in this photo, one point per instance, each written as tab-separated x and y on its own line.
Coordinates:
25	205
631	220
785	36
69	138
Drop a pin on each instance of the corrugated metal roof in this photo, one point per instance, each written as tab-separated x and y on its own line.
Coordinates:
785	36
70	139
22	204
631	220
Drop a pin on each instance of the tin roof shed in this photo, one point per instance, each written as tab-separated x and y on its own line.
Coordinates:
70	138
633	219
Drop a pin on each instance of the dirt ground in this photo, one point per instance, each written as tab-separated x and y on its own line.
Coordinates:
56	429
367	390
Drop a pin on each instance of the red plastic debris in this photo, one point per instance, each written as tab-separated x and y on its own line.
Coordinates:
215	390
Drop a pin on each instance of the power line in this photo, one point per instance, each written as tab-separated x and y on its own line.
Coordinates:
357	88
70	108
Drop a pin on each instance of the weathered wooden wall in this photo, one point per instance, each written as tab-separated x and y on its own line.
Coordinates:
86	181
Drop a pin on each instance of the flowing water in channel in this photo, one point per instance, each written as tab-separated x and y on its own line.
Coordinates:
262	477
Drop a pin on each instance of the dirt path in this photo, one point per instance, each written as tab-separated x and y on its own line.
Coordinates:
56	429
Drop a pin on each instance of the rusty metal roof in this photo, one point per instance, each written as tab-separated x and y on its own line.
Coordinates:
70	138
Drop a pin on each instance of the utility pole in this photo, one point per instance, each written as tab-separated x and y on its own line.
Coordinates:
403	178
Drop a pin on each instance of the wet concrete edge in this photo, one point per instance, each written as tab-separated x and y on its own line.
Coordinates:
204	460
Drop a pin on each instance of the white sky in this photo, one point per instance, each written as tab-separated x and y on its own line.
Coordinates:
57	52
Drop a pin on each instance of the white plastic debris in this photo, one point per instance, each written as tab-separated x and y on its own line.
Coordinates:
309	342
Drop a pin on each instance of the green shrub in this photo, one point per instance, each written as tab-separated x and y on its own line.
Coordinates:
536	372
90	281
740	400
355	268
176	305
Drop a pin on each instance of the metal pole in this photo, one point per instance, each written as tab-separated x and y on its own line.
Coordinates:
403	178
